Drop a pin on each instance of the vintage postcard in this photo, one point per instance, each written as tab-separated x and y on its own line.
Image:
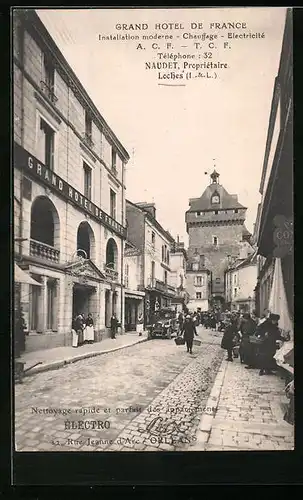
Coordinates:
153	229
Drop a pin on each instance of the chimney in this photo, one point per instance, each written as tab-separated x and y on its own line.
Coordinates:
149	207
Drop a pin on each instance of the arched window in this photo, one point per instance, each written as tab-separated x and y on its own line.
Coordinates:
85	240
45	227
111	254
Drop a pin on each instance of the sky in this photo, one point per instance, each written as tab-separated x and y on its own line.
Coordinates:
175	134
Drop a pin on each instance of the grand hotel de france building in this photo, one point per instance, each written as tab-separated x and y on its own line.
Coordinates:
69	194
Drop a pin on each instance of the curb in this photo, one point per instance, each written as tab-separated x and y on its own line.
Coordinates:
59	364
206	422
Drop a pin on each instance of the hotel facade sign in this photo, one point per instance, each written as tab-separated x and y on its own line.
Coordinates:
32	167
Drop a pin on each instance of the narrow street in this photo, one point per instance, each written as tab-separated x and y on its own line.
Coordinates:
148	397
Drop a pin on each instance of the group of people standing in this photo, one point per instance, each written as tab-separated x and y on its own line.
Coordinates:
257	339
83	331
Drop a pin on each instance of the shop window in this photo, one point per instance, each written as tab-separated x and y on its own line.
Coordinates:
34	304
51	304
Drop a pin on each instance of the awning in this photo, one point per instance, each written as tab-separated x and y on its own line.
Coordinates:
277	301
134	295
21	276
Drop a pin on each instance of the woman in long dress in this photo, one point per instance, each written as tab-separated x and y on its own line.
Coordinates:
89	330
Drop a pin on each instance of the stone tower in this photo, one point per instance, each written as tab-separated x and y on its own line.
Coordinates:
217	233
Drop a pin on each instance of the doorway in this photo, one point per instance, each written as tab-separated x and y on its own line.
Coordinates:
81	299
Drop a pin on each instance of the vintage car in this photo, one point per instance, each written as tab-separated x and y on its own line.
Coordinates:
164	324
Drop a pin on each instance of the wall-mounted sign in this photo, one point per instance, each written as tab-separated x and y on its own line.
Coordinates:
34	168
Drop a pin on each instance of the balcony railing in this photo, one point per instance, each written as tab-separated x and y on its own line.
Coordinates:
87	139
43	251
48	91
161	286
110	272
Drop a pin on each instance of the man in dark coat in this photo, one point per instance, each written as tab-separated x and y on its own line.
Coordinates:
113	326
269	333
189	330
228	337
247	328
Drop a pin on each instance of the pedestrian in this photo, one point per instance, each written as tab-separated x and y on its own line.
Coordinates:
83	320
228	338
247	328
113	326
269	332
89	334
264	316
180	321
189	331
76	329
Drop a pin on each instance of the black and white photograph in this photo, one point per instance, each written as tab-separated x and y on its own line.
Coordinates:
153	229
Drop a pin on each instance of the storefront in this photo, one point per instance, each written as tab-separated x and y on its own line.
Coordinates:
134	306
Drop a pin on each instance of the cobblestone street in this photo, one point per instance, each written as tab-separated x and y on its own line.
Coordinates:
148	397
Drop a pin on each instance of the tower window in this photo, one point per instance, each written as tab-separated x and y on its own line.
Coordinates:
215	241
198	295
216	212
